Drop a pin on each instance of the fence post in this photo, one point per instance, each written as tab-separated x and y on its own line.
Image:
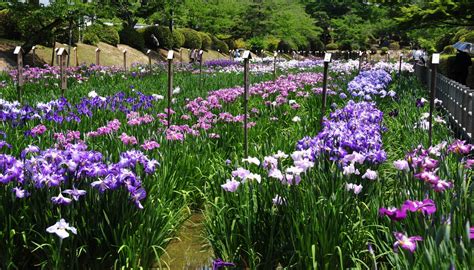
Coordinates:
33	52
327	59
434	64
62	54
246	56
149	59
75	56
275	54
19	61
125	60
97	57
170	83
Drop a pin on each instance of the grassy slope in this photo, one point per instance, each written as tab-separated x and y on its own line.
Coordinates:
110	55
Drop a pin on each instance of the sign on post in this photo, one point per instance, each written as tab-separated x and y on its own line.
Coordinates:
56	53
97	57
19	61
246	56
327	60
170	57
125	60
62	56
360	60
434	65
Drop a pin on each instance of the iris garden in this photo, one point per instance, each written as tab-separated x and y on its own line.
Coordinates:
99	178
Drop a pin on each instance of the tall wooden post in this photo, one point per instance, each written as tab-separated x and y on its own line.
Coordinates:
400	65
200	67
33	53
62	56
97	57
170	84
149	60
75	57
125	60
434	65
56	53
246	56
327	59
275	54
360	60
19	61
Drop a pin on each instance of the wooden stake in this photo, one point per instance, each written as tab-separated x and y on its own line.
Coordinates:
33	52
149	59
170	84
75	57
246	56
327	59
62	56
275	54
19	60
97	57
125	60
434	65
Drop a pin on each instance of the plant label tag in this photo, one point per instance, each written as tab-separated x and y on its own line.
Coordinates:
246	55
275	54
435	58
17	50
170	55
327	57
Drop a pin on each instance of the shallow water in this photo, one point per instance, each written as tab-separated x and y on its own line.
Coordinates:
191	251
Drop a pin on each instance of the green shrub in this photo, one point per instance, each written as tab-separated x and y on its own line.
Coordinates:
192	39
457	37
109	35
332	47
163	34
230	43
286	45
384	50
8	27
256	44
270	43
206	41
469	37
104	33
178	38
355	47
132	38
394	46
345	45
90	38
240	44
316	44
219	45
449	49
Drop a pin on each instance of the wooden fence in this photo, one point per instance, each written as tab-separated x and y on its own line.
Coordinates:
457	100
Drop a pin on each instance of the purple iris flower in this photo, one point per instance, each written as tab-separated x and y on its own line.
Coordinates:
427	206
20	193
75	193
137	195
61	200
394	213
218	263
471	233
408	243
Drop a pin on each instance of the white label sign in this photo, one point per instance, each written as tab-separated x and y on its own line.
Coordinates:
170	55
327	57
201	52
246	55
435	58
275	54
148	52
17	50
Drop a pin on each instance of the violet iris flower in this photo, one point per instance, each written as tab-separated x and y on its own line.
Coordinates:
408	243
219	263
61	200
394	213
427	206
75	193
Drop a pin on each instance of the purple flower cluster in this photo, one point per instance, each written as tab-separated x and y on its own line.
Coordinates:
370	83
61	110
79	73
351	134
73	166
427	207
216	63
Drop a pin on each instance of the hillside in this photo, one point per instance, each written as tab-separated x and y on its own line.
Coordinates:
110	55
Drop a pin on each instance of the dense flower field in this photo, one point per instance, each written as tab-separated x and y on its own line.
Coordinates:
96	179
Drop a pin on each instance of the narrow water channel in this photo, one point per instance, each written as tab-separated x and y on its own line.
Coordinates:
190	252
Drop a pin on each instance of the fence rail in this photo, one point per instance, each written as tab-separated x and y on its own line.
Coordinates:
457	100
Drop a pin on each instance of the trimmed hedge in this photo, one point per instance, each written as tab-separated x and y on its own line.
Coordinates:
132	38
218	44
285	45
192	39
163	34
384	50
449	49
103	33
90	38
446	65
178	38
206	41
